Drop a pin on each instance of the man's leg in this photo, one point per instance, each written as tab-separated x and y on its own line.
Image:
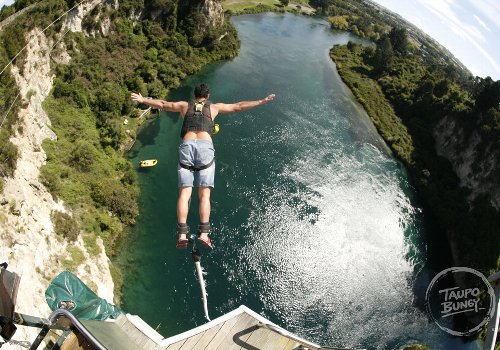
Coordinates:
183	208
204	195
204	229
183	204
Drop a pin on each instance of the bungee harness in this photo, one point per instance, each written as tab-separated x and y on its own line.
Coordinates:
196	168
198	118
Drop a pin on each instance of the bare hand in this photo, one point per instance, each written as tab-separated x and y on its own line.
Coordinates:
268	98
137	97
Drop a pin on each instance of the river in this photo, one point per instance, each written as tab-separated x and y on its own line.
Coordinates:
315	223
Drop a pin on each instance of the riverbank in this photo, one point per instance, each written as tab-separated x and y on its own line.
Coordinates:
412	142
240	7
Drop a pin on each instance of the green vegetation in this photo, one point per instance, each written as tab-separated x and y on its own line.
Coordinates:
240	7
65	226
75	257
9	106
356	17
368	92
369	20
406	98
90	100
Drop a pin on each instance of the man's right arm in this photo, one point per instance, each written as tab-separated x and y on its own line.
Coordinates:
180	106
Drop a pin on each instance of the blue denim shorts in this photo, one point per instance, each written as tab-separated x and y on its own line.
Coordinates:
196	153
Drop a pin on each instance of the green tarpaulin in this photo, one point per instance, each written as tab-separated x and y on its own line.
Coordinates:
67	289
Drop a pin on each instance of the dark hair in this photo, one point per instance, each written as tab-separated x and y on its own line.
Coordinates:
201	90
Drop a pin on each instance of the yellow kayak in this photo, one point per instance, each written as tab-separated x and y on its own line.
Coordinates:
148	163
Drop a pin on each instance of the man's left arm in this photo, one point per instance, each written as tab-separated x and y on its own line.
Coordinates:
242	105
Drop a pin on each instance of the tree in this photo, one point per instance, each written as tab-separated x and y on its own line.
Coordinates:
489	96
284	2
8	154
83	156
399	41
65	225
384	56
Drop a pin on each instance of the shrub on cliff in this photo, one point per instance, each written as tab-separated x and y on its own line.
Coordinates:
65	225
117	199
8	154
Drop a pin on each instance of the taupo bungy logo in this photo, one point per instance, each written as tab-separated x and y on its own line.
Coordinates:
460	300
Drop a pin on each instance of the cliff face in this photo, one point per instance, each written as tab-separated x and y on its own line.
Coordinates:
212	13
199	18
476	165
28	241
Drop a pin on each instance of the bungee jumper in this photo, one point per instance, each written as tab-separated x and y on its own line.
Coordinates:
197	154
197	163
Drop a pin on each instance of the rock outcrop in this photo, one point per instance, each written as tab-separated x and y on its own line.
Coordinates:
475	165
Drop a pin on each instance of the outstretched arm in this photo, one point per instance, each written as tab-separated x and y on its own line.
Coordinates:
242	105
161	104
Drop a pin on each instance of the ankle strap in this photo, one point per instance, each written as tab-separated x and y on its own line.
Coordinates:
204	227
182	229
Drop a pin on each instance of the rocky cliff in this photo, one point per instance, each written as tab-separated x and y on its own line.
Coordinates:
475	164
28	241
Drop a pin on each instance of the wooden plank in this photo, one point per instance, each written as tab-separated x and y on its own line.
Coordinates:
274	341
145	343
222	334
291	345
176	346
191	341
259	338
242	331
281	343
207	337
121	320
150	345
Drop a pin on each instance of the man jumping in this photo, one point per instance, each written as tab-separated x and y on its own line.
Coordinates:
196	153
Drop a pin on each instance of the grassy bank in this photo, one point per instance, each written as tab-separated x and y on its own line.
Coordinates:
356	74
239	7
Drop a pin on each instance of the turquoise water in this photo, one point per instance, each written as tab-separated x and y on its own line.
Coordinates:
315	224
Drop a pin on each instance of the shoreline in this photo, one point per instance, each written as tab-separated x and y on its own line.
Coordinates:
412	161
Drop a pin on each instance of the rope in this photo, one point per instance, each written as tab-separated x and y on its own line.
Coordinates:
57	42
24	344
50	25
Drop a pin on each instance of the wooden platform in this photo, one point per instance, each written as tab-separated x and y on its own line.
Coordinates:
239	329
242	331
